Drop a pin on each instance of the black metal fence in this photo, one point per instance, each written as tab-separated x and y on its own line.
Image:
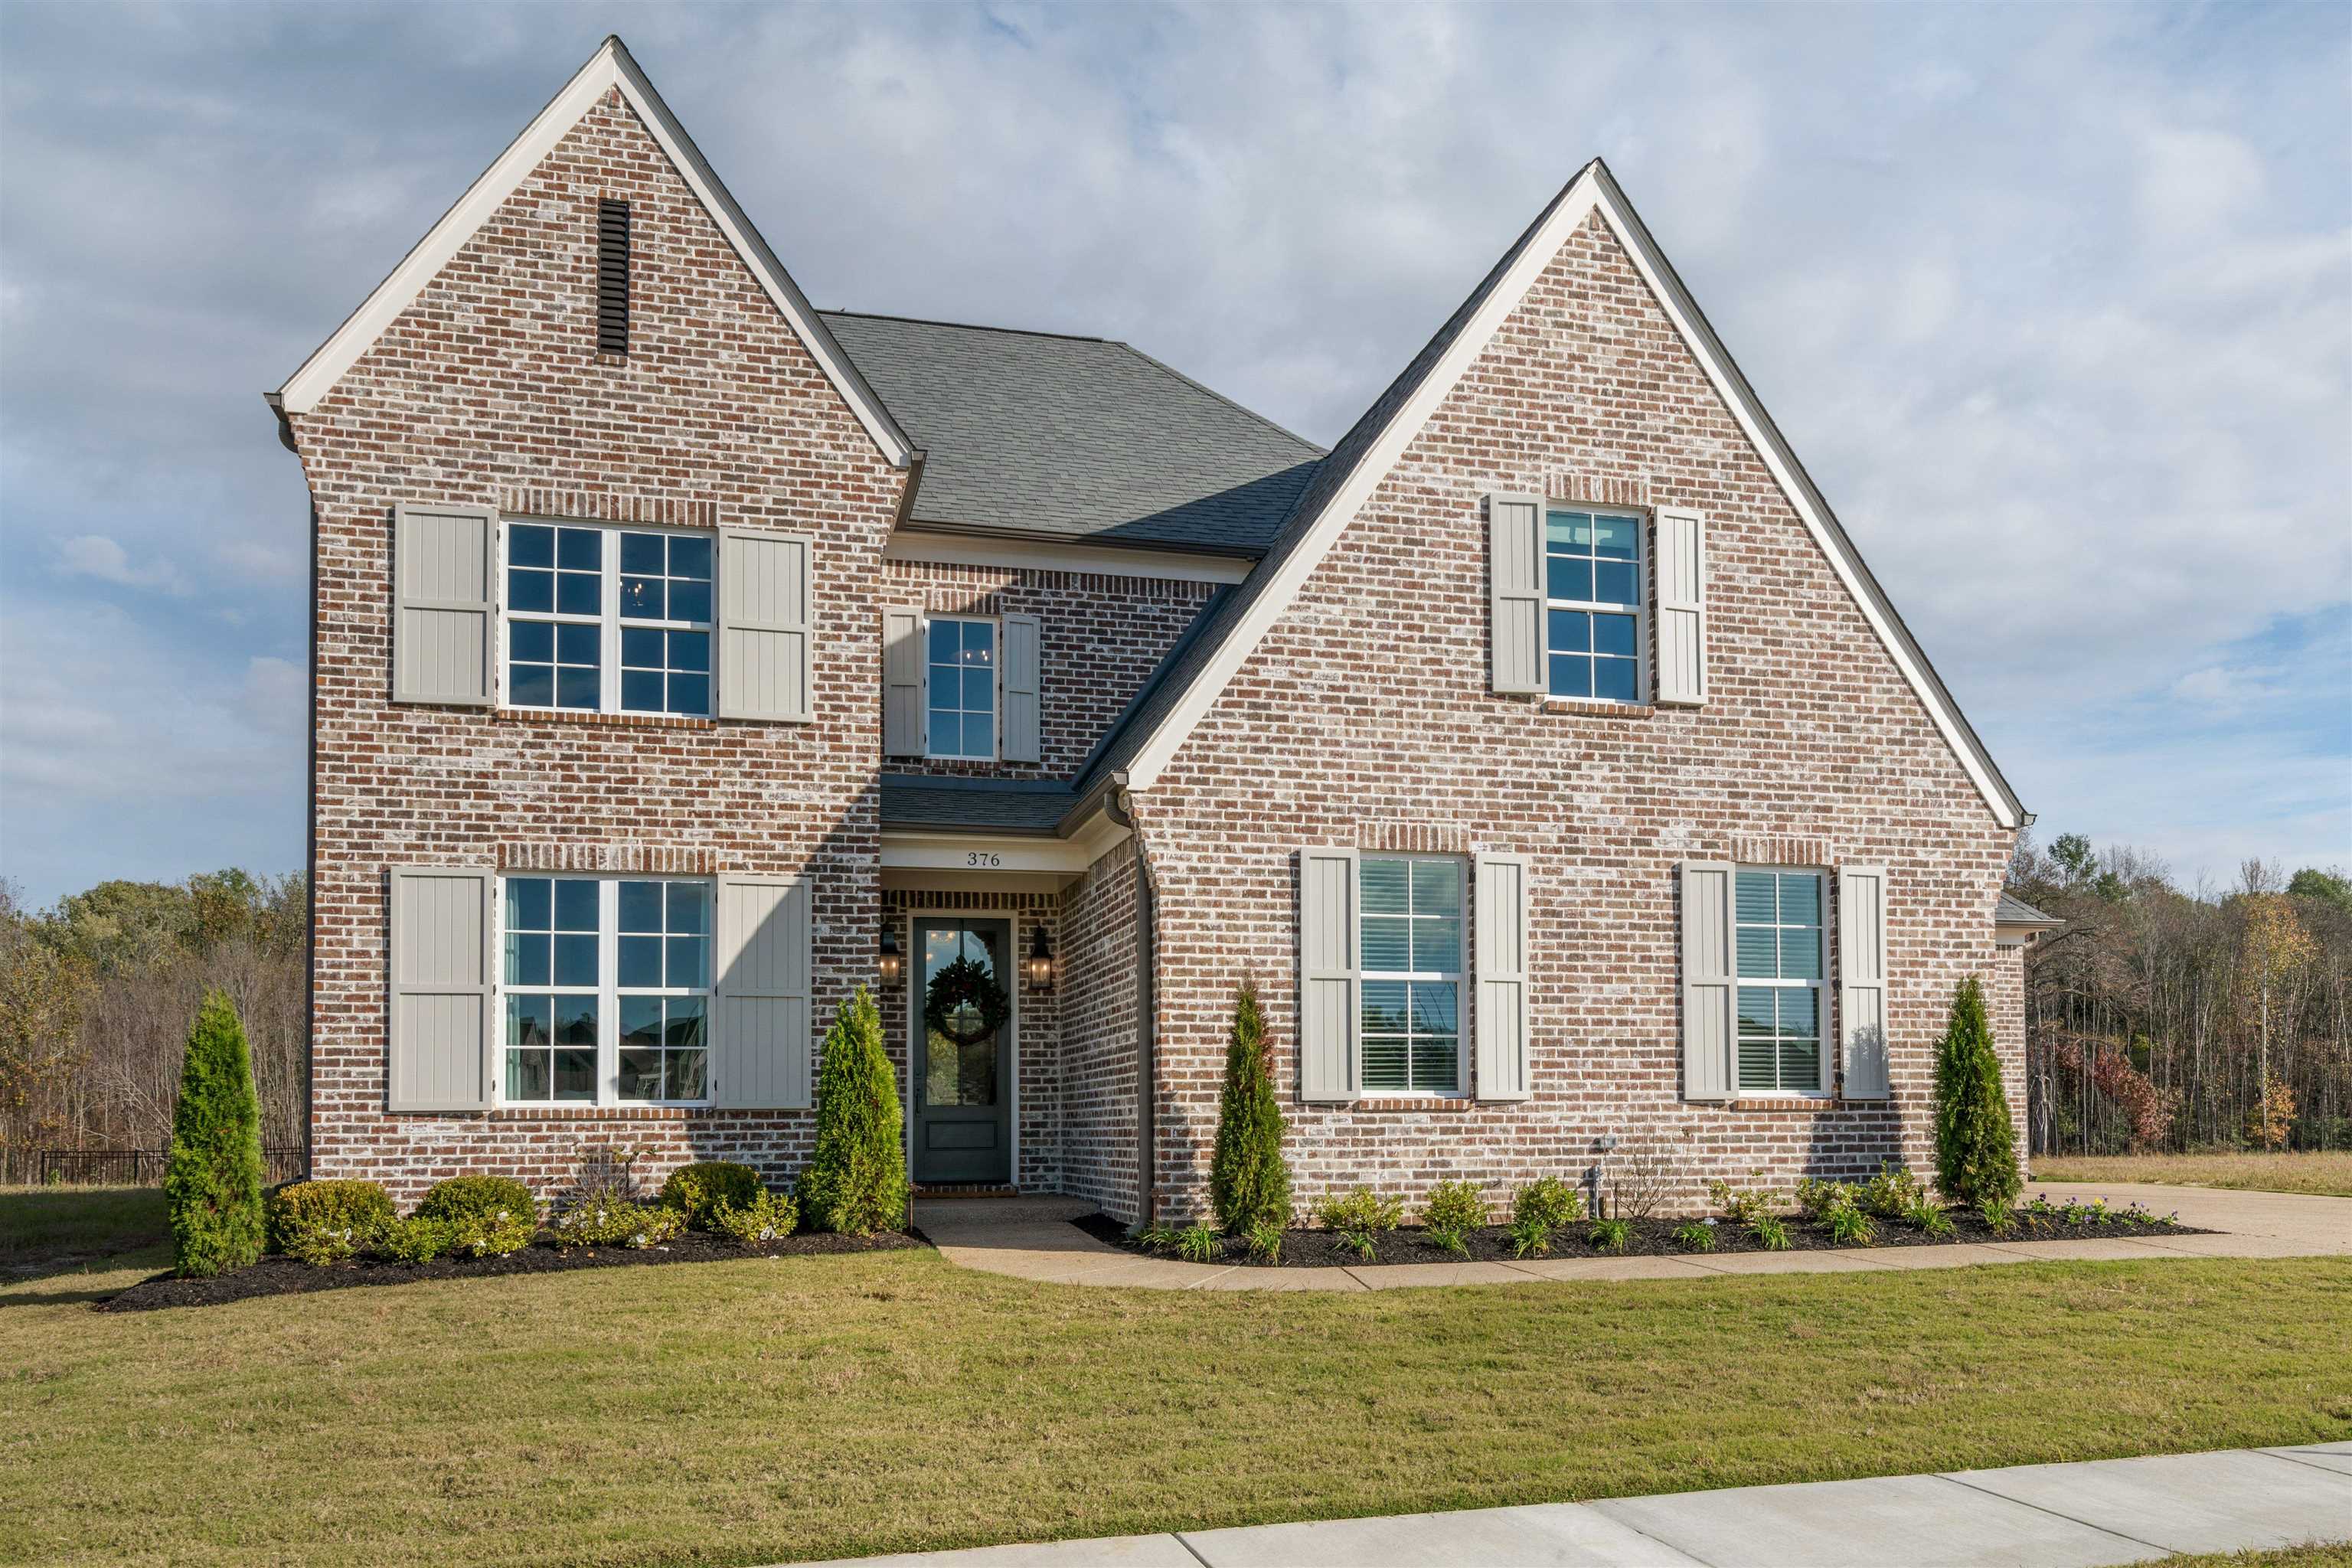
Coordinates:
120	1167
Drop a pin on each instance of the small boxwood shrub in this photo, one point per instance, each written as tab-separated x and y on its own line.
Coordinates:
699	1190
769	1216
1454	1209
1359	1218
419	1238
302	1209
607	1221
1549	1202
1743	1208
1892	1191
479	1197
492	1236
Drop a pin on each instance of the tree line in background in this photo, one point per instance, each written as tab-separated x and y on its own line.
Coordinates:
96	995
2165	1018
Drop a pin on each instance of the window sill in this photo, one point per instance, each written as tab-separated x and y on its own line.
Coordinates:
1599	710
597	1112
616	720
1410	1102
1801	1103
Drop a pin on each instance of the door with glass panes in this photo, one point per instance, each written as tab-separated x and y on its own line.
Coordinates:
963	1096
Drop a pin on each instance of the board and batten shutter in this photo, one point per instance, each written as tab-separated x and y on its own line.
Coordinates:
1328	996
444	567
1023	738
761	1031
1862	981
765	649
1515	572
441	988
1501	935
1710	980
1682	607
902	681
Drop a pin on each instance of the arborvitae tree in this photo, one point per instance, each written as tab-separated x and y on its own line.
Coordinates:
1976	1147
1249	1185
212	1183
855	1181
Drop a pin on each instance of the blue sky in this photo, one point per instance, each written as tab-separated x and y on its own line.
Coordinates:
2055	302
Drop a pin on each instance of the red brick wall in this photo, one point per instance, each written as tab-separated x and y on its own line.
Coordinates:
1101	638
1100	1059
488	389
1372	690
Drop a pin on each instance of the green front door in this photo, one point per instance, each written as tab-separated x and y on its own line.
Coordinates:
963	1101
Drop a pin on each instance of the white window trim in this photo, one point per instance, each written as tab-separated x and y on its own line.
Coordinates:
608	992
1823	1033
996	703
1643	522
607	620
1458	975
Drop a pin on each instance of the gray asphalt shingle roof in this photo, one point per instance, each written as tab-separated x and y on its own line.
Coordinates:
2013	910
913	802
1042	435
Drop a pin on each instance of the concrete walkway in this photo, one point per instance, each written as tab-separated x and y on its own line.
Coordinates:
2033	1516
1031	1238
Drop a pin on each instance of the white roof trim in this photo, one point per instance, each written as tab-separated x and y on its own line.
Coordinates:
1585	195
1078	555
611	66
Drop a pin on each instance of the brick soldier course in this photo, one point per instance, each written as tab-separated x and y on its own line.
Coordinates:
1244	647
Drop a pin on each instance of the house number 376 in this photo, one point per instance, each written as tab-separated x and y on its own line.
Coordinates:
984	858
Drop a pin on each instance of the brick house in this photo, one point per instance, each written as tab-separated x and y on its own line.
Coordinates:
686	657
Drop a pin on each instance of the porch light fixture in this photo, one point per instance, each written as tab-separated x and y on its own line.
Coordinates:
890	957
1039	966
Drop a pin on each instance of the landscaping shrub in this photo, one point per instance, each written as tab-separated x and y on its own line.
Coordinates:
1743	1208
1888	1193
769	1216
1927	1218
855	1181
1359	1218
212	1179
1611	1235
493	1235
699	1190
419	1238
2000	1215
1530	1236
1815	1199
1248	1180
1551	1203
1454	1209
1848	1225
304	1209
479	1197
608	1221
1264	1240
1770	1233
1199	1243
1976	1147
1697	1235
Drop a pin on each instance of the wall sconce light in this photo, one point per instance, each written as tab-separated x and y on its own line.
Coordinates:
1039	966
890	958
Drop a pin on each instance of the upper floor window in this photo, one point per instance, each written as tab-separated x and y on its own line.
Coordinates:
1410	958
606	986
960	681
1592	589
607	620
1779	919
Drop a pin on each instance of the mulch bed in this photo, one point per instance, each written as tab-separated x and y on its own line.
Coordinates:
1304	1249
284	1276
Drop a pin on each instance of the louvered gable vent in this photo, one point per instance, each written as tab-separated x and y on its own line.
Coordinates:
612	277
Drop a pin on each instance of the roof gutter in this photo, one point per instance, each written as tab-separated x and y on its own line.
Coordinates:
277	402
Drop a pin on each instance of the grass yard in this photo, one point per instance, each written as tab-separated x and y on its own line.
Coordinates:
743	1413
42	1229
2329	1172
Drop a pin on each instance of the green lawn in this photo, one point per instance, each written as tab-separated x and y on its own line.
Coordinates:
2329	1172
749	1412
44	1228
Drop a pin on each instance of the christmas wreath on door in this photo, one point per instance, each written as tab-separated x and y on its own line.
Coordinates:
965	1004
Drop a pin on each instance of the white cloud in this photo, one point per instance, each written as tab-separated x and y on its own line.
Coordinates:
95	555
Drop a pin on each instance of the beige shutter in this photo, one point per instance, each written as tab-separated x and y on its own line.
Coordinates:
1502	1018
444	567
1682	607
441	991
760	1033
1327	986
1862	980
902	681
1515	572
1710	982
1023	719
765	649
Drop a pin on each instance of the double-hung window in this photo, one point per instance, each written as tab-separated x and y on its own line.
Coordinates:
1779	919
607	620
1409	961
1592	612
607	987
960	683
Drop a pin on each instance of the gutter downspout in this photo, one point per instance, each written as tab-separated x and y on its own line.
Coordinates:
1120	807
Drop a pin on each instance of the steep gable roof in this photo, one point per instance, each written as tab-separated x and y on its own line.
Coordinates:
610	67
1043	434
1148	741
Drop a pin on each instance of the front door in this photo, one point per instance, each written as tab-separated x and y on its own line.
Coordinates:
964	1123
